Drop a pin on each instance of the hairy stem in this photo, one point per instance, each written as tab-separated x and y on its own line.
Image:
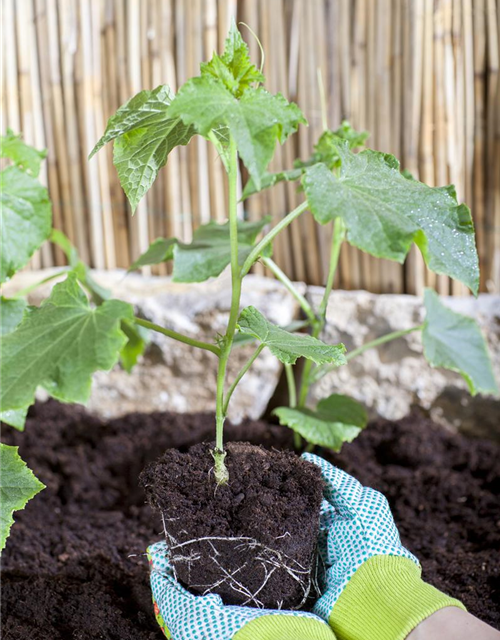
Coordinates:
282	277
240	375
338	236
221	474
178	336
269	237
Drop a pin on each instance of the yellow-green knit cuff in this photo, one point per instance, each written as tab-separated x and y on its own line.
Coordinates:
385	600
285	627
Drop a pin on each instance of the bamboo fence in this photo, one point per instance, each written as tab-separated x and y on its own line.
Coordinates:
420	75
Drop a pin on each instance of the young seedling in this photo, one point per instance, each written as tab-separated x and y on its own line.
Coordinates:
374	206
382	211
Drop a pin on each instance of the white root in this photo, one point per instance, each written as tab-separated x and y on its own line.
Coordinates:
271	560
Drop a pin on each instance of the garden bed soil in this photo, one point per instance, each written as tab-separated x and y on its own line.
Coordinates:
74	566
252	540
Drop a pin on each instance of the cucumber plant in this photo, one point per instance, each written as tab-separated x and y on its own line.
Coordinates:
80	328
381	210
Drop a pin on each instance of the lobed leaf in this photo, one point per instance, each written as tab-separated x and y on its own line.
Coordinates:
26	219
18	484
337	419
15	417
256	121
137	339
144	133
384	213
136	336
210	251
11	313
288	347
161	250
325	150
59	345
22	155
454	341
234	68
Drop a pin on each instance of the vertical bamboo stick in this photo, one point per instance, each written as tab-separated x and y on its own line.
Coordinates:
139	238
53	137
492	230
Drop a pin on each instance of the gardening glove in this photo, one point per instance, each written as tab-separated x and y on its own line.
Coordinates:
372	588
184	616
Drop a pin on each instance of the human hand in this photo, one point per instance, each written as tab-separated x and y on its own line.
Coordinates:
371	588
184	616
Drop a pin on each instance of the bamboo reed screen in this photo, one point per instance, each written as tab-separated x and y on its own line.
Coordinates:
421	75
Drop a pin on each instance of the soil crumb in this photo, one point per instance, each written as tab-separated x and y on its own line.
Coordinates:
74	565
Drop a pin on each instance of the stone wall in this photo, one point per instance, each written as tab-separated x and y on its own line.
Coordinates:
389	380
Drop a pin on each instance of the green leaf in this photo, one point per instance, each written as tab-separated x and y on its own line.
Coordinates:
59	345
385	213
18	485
26	219
337	419
325	150
234	68
286	346
210	252
11	313
136	336
22	155
15	417
64	243
454	341
137	339
256	121
161	250
144	133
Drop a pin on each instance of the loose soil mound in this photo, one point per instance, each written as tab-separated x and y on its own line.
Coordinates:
261	527
74	566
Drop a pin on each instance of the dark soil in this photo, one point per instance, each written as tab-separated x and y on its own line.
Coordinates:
261	527
74	566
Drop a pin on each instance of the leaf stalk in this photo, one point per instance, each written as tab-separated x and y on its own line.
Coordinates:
269	237
178	336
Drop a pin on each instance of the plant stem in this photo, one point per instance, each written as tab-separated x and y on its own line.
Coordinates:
378	341
178	336
338	236
324	370
282	277
269	237
220	471
292	390
292	401
24	292
240	375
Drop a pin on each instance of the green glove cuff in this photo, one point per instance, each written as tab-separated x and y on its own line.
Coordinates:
385	600
283	627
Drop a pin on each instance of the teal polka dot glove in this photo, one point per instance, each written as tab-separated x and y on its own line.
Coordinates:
184	616
371	588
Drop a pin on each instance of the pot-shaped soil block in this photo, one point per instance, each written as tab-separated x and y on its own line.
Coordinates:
252	541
